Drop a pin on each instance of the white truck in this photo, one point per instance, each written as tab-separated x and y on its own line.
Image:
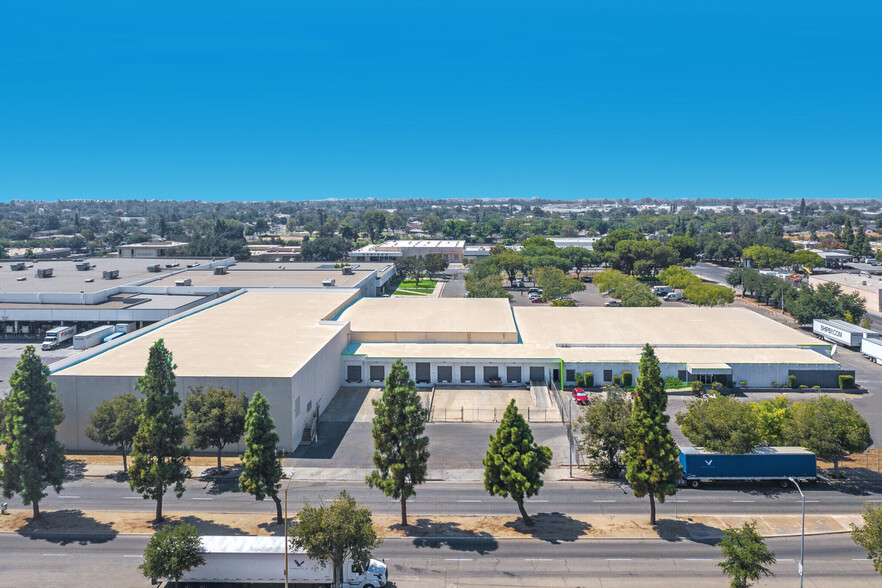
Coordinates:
871	348
261	560
92	338
841	332
57	336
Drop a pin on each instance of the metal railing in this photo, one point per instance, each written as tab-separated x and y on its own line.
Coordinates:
490	414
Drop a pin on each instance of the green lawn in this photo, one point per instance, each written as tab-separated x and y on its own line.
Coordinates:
426	286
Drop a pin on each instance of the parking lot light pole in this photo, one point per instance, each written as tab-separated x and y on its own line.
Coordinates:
802	540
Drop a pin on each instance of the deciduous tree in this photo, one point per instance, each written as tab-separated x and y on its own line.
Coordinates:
652	459
869	534
401	450
215	417
171	552
720	424
745	555
830	427
335	533
514	462
158	453
262	470
32	458
115	423
603	426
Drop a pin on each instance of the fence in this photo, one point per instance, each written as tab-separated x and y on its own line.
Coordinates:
490	414
564	407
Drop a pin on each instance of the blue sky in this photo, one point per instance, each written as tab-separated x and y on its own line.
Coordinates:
308	99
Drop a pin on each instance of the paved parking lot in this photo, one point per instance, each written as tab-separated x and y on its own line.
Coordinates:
10	353
483	404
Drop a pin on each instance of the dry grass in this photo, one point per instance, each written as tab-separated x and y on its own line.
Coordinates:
115	459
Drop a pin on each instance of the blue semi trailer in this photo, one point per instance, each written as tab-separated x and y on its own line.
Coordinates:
763	463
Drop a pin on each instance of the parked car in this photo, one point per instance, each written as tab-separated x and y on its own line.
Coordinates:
587	279
535	299
580	396
673	296
613	303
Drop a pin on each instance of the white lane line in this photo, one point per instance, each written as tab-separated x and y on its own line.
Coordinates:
538	559
131	498
744	501
459	559
202	498
55	555
861	559
535	501
603	501
67	496
793	560
468	501
700	559
618	559
133	555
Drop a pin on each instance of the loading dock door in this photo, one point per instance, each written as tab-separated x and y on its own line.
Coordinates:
445	373
513	373
537	374
467	373
378	373
423	373
353	373
490	371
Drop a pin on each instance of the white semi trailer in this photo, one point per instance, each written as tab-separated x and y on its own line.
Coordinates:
92	338
841	332
261	560
872	349
57	336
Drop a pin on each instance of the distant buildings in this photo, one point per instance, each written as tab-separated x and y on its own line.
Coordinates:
868	288
152	249
451	251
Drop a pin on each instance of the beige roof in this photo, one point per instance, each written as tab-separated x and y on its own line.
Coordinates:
254	334
268	276
509	351
699	357
687	326
420	315
868	283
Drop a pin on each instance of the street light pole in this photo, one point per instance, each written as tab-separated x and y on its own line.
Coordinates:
286	531
802	540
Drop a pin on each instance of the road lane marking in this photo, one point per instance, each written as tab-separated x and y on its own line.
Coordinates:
55	555
744	501
468	501
67	496
202	498
787	560
131	498
138	555
861	559
700	559
535	501
538	559
603	501
459	559
618	559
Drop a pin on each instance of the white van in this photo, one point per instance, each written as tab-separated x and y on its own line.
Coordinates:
662	290
673	296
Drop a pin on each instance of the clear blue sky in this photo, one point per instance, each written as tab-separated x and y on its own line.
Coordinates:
307	99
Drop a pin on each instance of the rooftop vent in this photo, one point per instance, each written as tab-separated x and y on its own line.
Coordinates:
17	267
111	274
220	271
184	282
347	270
329	283
84	267
45	272
155	268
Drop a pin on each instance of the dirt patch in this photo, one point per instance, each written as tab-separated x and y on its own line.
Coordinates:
115	459
551	527
868	460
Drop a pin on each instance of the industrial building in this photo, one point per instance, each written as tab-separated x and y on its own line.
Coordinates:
451	251
301	346
867	287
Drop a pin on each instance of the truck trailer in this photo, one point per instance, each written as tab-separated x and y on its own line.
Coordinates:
841	332
92	338
763	463
57	336
261	560
872	349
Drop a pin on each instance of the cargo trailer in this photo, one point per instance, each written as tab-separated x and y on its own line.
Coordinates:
92	338
841	332
763	463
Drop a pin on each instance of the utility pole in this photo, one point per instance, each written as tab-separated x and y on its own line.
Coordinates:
286	531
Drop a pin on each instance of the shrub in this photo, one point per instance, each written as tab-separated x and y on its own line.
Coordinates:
774	384
673	382
580	380
743	383
697	388
803	386
846	382
589	380
816	387
617	380
791	381
563	303
626	379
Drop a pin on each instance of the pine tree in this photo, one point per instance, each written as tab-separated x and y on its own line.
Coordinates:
514	463
262	471
401	451
652	459
158	453
32	459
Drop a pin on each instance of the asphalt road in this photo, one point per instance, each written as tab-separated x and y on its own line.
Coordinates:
831	560
451	499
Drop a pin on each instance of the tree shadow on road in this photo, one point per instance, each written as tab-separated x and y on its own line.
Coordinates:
68	526
553	527
227	480
686	530
74	469
434	535
204	526
854	481
272	527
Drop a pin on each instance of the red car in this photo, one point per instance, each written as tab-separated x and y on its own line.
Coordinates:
580	396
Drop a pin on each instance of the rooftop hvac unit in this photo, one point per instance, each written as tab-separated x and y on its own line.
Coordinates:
329	283
220	271
111	274
155	268
45	272
347	270
184	282
17	267
84	267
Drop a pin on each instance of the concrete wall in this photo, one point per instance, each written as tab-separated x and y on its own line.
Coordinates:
81	395
872	296
434	337
478	364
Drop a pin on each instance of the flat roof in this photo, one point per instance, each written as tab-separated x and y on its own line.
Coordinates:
67	278
264	276
140	301
686	326
433	315
866	283
249	334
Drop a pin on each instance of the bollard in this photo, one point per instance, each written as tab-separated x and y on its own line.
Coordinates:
528	414
462	414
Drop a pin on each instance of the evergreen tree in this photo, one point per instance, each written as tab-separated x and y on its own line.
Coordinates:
514	463
158	454
652	459
32	459
262	471
401	450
